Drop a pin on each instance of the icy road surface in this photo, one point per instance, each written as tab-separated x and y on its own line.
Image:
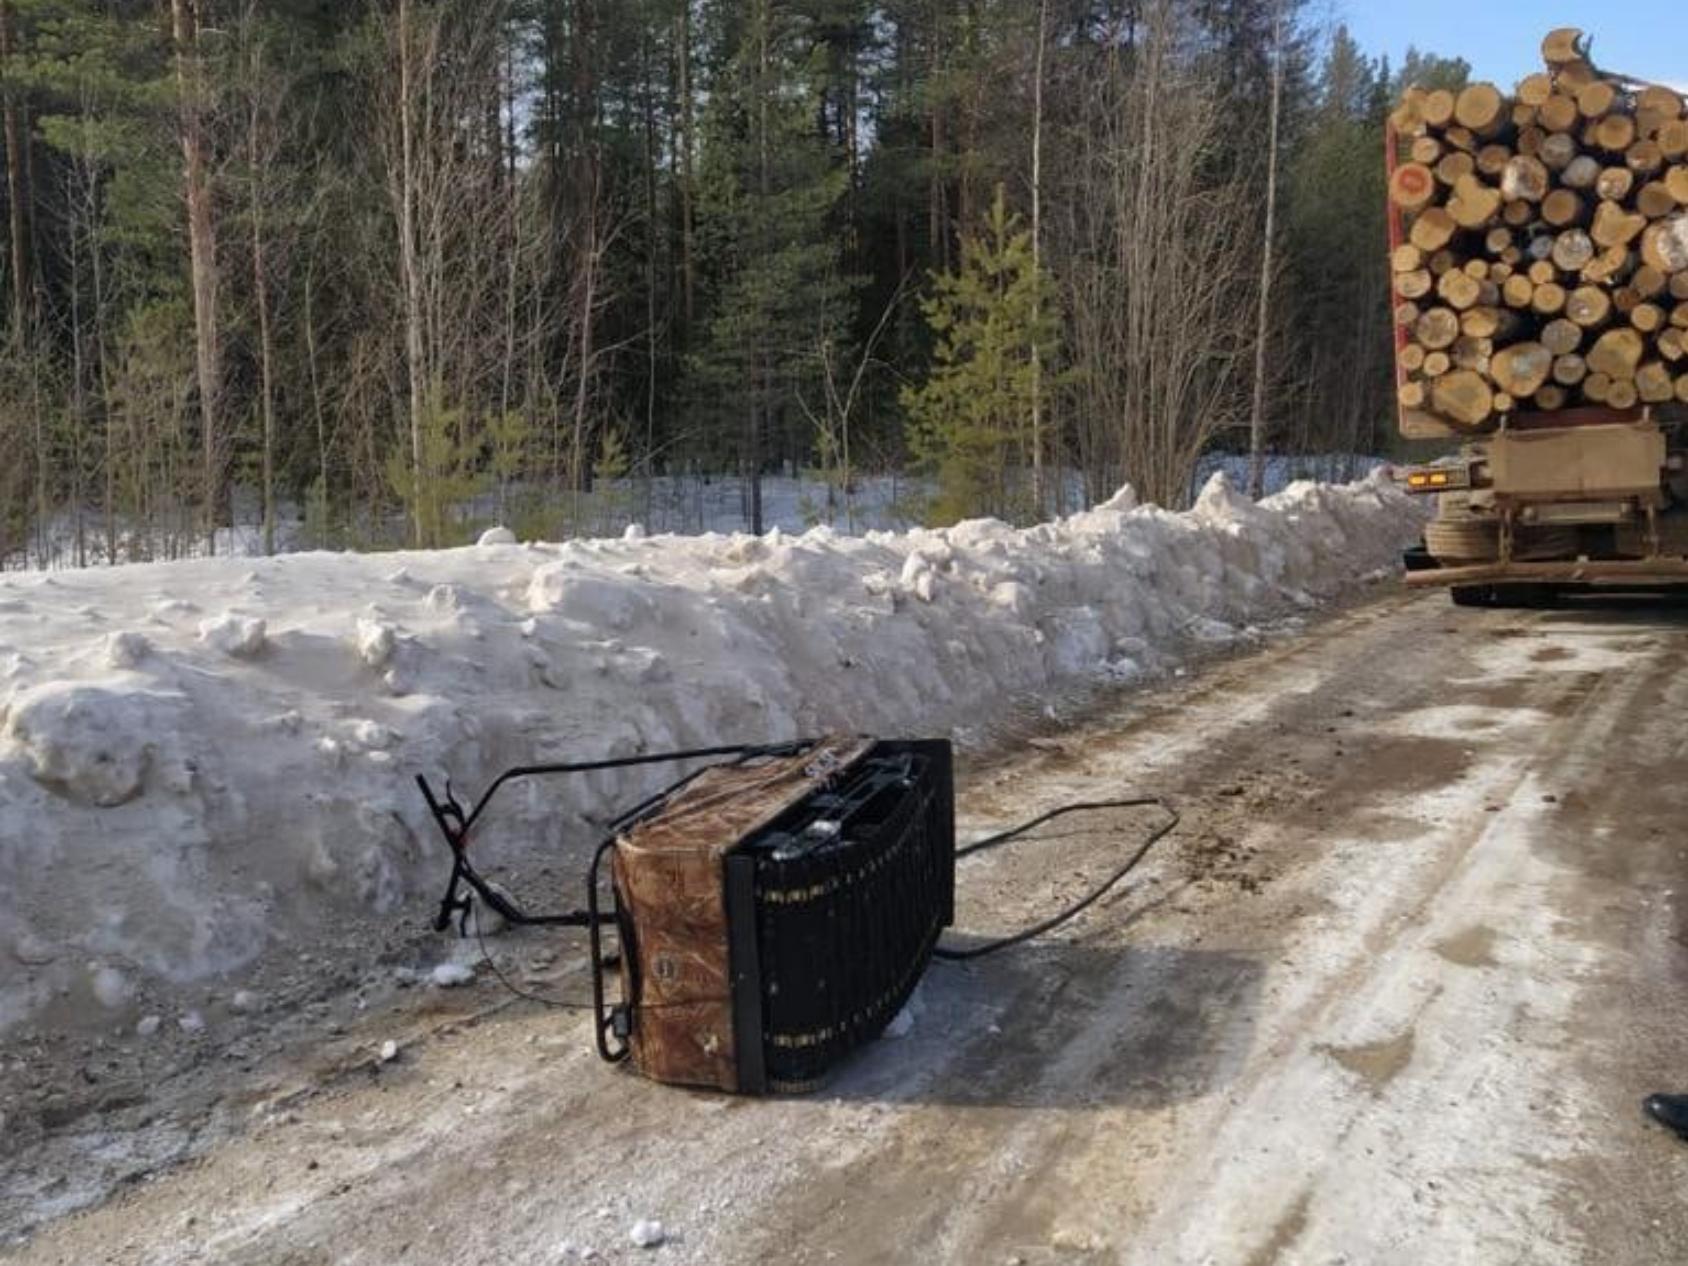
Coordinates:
1392	994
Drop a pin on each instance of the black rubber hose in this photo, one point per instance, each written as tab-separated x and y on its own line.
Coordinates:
1079	907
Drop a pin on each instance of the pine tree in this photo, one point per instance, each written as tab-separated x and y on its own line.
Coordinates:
770	187
108	170
1334	217
992	321
1428	70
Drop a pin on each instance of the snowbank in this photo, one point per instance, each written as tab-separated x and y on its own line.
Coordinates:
202	761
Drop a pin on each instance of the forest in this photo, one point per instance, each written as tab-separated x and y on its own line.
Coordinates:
379	273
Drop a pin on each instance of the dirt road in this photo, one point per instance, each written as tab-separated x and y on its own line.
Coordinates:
1391	994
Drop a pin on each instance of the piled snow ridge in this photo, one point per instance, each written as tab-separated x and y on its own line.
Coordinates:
202	760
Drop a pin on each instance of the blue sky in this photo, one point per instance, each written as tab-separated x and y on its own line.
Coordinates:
1502	38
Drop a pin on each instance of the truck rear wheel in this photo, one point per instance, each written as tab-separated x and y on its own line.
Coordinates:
1515	597
1633	542
1477	541
1462	541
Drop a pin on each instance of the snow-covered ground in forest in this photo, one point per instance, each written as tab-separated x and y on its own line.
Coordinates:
207	760
667	503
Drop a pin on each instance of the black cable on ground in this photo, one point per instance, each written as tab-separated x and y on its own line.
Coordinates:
561	1004
1063	916
515	916
456	822
486	957
1079	907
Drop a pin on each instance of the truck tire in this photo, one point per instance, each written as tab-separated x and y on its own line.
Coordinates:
1475	541
1632	542
1472	595
1463	540
1527	597
1536	543
1517	597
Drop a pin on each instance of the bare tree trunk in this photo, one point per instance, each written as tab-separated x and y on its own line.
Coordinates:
937	231
581	474
1257	414
78	358
651	261
18	193
852	138
514	244
1037	261
512	302
89	194
261	299
968	110
589	177
413	345
316	398
43	505
509	84
17	188
78	371
687	266
202	247
759	409
903	210
493	104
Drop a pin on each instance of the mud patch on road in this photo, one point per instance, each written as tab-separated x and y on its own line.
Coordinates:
1217	857
1387	828
1551	654
1386	765
1502	693
1474	947
1629	645
1462	722
1524	695
1284	1235
1376	1063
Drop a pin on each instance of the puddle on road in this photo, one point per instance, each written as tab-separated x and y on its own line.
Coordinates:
1386	828
1375	1063
1468	721
1473	947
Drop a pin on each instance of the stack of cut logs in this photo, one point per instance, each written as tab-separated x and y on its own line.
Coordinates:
1544	260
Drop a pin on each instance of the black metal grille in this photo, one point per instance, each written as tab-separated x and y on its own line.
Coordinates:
847	893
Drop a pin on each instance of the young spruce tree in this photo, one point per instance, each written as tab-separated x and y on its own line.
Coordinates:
971	421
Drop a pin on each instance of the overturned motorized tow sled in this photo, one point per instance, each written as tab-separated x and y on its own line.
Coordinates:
773	910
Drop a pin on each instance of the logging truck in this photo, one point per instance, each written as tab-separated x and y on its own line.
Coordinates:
1538	245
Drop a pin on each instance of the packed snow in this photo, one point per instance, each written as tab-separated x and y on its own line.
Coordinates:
205	761
647	1233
